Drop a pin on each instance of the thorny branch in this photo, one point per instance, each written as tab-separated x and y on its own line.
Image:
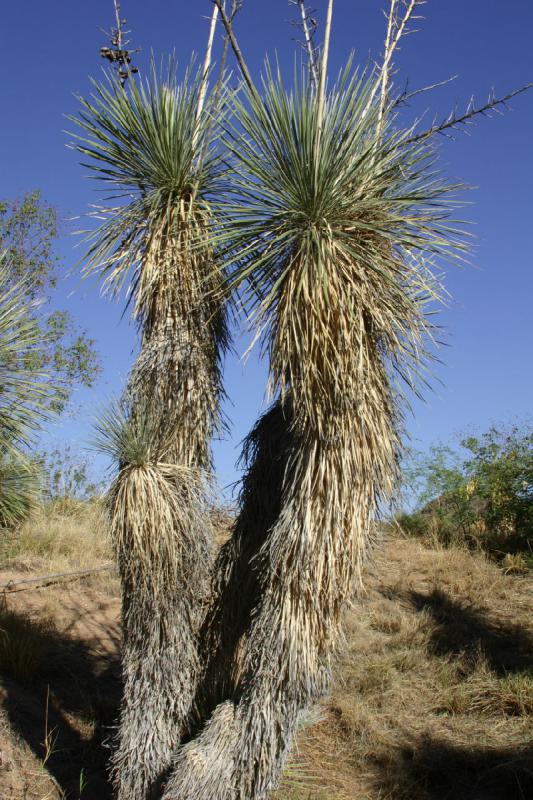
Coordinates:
405	96
453	121
395	30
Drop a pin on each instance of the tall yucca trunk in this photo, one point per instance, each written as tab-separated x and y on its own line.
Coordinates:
205	767
182	322
152	146
334	245
237	574
159	532
340	454
177	377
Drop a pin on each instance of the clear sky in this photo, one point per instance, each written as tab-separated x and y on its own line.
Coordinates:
47	51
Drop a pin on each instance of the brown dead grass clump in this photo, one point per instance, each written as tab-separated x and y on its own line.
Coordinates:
26	651
59	537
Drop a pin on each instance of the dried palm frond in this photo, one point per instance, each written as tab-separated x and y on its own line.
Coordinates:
336	222
184	336
151	143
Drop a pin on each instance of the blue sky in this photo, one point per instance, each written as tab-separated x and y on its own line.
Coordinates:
48	50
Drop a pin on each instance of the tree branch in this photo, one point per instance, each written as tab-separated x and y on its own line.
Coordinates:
116	3
385	70
395	31
453	121
118	54
225	48
48	580
207	64
235	46
308	36
405	96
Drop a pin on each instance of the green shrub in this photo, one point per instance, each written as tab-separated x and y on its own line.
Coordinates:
480	495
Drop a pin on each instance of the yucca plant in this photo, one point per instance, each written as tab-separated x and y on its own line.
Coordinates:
336	222
23	398
159	519
151	144
23	388
19	488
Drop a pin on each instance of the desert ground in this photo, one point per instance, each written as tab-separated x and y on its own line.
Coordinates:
433	691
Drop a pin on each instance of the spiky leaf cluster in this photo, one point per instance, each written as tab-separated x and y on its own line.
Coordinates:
153	153
24	397
334	222
338	224
23	390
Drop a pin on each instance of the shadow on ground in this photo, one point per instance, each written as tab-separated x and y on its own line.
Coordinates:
437	770
62	699
461	628
430	767
69	697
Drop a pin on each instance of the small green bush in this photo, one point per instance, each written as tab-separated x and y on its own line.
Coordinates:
481	495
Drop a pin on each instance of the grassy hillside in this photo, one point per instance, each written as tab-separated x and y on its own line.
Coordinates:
433	696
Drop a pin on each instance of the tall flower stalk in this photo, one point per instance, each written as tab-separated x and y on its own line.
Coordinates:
151	144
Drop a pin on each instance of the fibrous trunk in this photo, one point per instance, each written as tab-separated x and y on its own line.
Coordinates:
176	380
159	530
305	568
304	548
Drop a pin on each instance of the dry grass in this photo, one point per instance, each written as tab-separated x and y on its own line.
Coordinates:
64	536
433	697
26	650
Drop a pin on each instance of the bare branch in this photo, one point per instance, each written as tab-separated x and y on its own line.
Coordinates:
308	26
56	577
392	24
116	3
217	92
453	121
395	31
235	7
118	54
405	96
235	45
